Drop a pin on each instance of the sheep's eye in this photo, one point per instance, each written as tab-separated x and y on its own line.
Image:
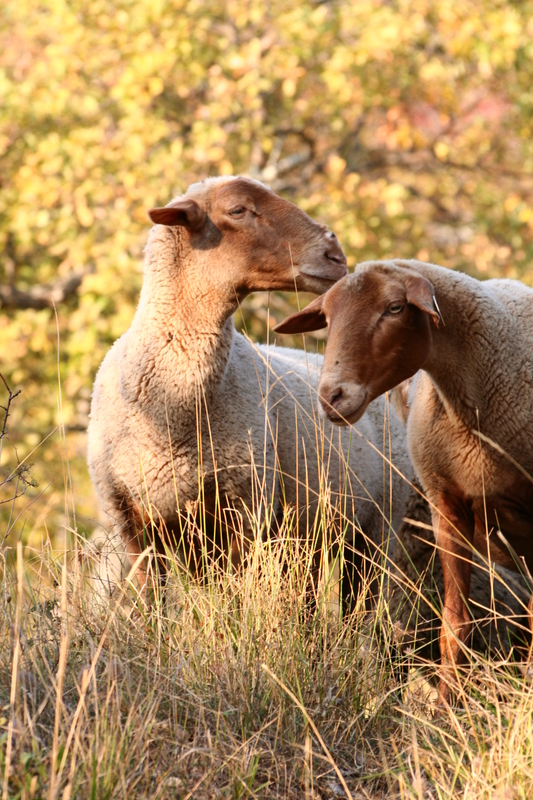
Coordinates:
396	308
237	212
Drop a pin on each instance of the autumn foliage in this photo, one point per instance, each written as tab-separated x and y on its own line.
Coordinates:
406	125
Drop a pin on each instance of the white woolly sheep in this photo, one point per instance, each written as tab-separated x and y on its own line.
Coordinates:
469	425
186	409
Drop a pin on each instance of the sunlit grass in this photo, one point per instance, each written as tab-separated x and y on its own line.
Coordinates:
220	690
241	686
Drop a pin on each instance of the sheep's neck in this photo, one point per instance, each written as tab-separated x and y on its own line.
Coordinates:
185	316
464	357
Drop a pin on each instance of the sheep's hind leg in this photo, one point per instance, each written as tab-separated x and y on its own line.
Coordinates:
530	657
354	573
453	525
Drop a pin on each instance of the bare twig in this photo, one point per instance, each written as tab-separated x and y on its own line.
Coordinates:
10	397
21	472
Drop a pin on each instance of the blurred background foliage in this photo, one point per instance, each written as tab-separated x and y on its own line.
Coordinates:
405	125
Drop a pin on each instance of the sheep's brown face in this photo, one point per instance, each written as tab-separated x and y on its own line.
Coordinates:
263	241
379	335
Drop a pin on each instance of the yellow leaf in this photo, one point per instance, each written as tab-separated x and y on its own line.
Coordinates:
155	86
289	87
441	151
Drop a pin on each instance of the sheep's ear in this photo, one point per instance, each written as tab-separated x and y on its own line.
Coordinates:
311	318
420	293
185	213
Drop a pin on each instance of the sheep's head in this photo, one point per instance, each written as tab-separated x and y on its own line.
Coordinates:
263	242
379	334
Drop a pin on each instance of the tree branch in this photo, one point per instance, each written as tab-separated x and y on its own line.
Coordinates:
45	296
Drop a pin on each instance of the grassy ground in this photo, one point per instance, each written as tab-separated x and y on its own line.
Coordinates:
233	689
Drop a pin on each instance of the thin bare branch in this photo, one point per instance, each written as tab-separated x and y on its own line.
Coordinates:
42	296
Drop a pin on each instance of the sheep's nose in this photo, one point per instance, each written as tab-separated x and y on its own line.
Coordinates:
334	251
330	398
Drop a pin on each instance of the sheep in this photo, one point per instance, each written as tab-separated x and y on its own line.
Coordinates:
413	591
191	421
417	582
469	421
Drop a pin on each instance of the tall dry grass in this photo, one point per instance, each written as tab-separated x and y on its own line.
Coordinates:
233	689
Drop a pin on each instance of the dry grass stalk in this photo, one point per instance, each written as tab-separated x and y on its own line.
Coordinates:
105	697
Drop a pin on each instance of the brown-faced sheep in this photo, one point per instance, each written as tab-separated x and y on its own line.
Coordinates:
469	421
185	409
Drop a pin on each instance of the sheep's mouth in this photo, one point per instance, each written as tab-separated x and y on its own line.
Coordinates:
342	420
345	413
321	279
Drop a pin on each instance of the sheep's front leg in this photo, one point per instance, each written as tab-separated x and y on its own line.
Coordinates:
453	526
138	530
